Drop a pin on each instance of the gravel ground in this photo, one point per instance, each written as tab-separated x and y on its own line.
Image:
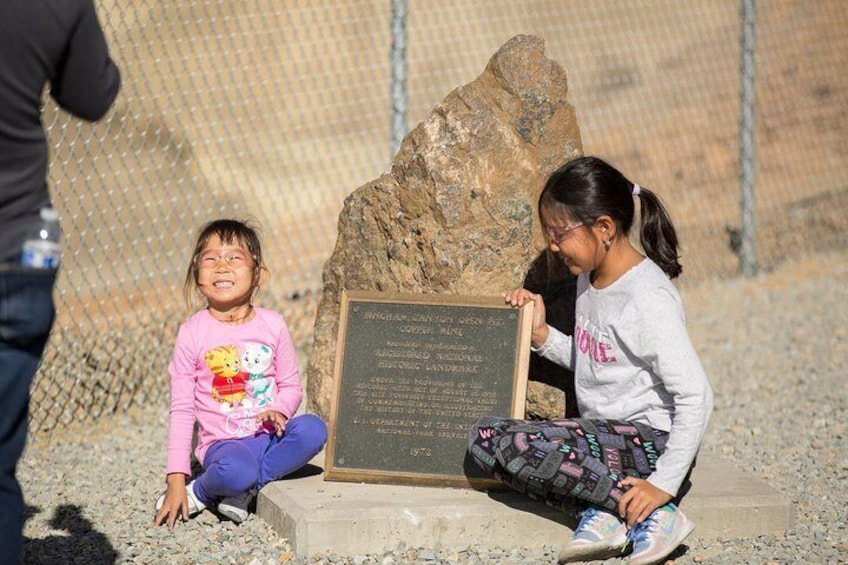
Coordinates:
774	346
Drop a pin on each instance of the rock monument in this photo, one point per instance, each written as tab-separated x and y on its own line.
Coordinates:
457	212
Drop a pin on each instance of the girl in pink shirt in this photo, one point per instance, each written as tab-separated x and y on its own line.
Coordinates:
234	373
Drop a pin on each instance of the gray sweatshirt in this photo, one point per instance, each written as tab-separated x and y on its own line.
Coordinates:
633	360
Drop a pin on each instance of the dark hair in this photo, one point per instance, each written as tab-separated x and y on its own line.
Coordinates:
241	232
586	188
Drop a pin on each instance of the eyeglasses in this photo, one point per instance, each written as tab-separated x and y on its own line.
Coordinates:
557	235
234	258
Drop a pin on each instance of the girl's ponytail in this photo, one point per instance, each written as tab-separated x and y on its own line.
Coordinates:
587	188
657	234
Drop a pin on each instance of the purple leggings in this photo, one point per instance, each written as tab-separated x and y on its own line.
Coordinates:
235	466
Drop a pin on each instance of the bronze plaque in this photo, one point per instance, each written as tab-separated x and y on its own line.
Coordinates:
412	373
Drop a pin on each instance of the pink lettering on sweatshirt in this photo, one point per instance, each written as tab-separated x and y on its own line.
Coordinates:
592	342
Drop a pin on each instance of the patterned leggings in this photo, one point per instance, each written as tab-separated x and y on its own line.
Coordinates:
558	461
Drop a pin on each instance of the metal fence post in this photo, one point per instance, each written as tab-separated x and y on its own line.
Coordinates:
747	158
399	90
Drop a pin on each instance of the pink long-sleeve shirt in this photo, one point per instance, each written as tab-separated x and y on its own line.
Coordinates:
223	376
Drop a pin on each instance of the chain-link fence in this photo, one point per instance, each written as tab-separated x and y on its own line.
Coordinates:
278	109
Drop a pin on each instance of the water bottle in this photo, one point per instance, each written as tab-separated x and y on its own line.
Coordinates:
42	249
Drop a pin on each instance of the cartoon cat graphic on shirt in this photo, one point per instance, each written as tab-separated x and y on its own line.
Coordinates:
229	382
255	360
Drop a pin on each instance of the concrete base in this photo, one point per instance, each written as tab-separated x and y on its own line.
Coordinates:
356	518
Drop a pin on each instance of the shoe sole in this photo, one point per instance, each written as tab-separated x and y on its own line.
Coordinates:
589	553
675	543
232	514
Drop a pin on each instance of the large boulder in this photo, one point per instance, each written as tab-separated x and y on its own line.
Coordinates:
457	213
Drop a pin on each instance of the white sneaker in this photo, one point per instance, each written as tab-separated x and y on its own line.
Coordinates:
195	507
235	507
658	536
599	535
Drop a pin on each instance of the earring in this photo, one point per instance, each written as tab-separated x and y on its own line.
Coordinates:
607	241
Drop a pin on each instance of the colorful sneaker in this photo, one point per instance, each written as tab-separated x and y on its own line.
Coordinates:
599	535
235	507
195	507
655	538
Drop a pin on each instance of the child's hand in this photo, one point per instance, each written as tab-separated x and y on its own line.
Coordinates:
518	298
175	504
640	500
275	418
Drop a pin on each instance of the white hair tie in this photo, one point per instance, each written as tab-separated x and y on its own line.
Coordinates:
636	189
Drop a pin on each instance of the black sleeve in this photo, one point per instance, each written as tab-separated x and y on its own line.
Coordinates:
87	80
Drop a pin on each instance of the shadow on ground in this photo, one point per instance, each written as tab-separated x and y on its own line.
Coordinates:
78	541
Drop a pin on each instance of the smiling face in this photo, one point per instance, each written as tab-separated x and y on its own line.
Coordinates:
579	246
226	274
